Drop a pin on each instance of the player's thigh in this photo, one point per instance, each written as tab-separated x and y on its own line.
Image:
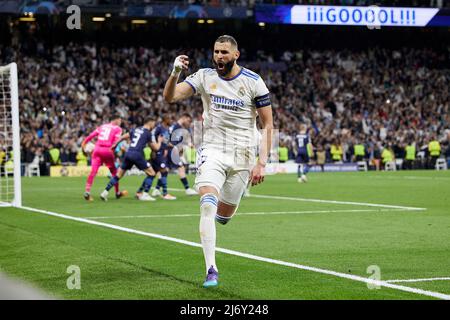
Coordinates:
302	158
159	164
233	189
144	165
127	163
109	161
210	173
226	210
96	160
164	164
149	171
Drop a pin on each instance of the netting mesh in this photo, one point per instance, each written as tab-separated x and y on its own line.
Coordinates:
6	139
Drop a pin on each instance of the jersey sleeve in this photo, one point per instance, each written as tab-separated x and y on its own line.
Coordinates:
149	138
262	95
195	80
92	135
153	136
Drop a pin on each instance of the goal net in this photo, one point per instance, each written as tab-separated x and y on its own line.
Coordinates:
10	187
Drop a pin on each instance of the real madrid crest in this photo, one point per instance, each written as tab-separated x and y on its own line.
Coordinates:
241	91
213	87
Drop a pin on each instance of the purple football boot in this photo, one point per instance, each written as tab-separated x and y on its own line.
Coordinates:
211	278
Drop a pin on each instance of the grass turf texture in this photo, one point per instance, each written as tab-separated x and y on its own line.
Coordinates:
118	265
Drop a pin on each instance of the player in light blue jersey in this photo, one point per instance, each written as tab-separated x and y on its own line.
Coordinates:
233	97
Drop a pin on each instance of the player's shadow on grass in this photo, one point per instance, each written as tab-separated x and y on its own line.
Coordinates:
196	285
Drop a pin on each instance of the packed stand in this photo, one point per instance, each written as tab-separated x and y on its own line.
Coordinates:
381	99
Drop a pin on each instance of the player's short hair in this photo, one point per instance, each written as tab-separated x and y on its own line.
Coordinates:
226	38
186	115
166	118
148	119
116	116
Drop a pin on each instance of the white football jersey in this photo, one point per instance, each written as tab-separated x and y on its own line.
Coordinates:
229	106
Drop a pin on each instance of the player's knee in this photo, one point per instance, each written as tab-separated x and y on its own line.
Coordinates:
204	190
208	204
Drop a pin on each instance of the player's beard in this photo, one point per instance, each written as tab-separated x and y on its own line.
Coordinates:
226	69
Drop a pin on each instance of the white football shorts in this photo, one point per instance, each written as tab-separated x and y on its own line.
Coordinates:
227	171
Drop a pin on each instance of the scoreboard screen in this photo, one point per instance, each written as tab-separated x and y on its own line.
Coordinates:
370	16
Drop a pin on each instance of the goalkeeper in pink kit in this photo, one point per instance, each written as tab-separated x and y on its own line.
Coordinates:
107	135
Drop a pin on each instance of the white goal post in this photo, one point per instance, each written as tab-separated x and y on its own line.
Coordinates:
10	177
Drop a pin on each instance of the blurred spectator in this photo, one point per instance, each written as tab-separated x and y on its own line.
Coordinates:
434	151
410	155
387	155
336	151
320	157
283	152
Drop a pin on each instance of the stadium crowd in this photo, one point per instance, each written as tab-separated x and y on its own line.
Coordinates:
383	99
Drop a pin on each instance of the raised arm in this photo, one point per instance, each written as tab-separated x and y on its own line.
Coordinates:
174	91
155	144
89	138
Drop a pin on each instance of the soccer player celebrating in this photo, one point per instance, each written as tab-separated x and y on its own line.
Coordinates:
107	135
302	140
178	132
232	97
140	137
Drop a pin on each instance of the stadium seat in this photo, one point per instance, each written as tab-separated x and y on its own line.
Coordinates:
32	170
441	164
390	166
134	172
399	164
362	165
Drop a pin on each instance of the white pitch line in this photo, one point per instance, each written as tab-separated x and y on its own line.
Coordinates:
244	213
410	178
419	280
146	216
365	204
315	200
250	256
337	202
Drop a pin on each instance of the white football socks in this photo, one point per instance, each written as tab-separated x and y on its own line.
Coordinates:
208	210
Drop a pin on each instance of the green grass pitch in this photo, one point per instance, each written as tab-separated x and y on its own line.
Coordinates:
337	236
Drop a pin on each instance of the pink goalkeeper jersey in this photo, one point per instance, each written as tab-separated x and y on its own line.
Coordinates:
107	135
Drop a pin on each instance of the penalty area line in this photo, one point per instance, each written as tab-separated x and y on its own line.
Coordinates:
338	202
374	282
418	280
353	203
183	215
